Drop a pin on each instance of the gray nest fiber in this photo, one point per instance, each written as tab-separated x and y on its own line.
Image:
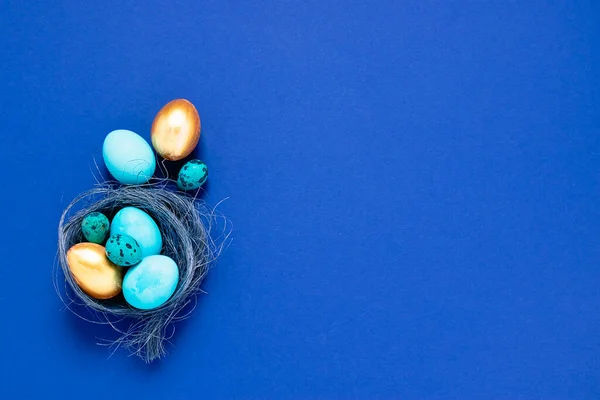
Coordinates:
185	224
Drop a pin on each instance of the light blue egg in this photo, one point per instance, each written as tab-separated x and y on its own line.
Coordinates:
151	283
140	226
128	157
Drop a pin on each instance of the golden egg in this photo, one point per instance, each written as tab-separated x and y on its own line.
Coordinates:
176	130
95	274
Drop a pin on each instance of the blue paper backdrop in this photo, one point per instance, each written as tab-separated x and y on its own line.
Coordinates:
413	186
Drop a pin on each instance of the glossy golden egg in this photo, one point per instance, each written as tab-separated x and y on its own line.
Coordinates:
95	274
176	130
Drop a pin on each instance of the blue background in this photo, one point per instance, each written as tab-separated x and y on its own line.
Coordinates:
413	187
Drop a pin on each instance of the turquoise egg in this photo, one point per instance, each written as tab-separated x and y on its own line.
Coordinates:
151	283
140	226
192	175
95	227
123	250
128	157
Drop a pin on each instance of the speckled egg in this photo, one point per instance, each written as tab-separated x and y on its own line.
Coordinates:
192	175
151	283
123	250
128	157
95	227
139	225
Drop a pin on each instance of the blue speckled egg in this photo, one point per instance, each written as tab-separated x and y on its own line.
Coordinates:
140	226
151	283
123	250
128	157
192	175
95	227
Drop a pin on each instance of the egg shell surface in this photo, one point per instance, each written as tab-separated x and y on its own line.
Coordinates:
192	175
139	225
95	227
93	272
123	250
128	157
151	283
176	130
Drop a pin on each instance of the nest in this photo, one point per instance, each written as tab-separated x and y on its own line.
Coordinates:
185	224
